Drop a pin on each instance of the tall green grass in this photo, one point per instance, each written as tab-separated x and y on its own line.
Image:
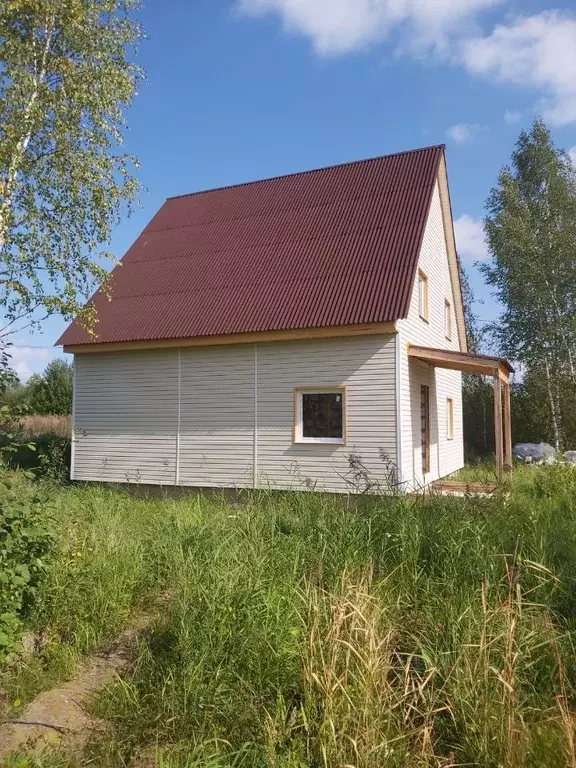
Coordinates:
303	630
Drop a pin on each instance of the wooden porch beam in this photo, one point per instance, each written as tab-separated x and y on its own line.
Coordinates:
459	361
498	429
507	428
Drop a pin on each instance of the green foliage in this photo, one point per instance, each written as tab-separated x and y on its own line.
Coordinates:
530	415
531	231
54	459
47	457
15	395
45	394
473	333
25	543
478	417
10	444
32	441
51	393
66	78
8	377
305	630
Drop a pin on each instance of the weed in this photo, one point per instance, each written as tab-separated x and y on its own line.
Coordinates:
25	543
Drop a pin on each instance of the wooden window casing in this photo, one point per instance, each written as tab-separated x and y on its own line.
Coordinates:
299	416
423	296
425	427
448	320
449	418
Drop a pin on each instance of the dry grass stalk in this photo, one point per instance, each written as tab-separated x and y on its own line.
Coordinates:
372	707
35	425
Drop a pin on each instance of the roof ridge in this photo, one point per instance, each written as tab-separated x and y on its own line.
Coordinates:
305	172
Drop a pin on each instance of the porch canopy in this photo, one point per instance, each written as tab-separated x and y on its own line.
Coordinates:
484	365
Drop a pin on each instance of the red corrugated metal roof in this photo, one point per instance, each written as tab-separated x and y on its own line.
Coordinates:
332	247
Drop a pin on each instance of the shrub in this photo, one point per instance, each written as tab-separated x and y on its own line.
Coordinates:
52	392
54	459
41	444
25	542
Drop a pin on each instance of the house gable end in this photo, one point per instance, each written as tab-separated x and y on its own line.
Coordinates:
437	274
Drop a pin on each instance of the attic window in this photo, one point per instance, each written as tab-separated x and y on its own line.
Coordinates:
320	415
448	320
423	295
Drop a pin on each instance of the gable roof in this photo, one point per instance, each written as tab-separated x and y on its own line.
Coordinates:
332	247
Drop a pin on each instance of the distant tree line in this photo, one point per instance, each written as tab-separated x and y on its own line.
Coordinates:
46	393
531	234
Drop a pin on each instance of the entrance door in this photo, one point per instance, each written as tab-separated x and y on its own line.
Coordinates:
425	427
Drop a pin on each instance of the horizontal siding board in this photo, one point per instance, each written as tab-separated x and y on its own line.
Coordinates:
217	416
126	417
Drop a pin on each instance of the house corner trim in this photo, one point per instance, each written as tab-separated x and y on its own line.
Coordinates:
398	379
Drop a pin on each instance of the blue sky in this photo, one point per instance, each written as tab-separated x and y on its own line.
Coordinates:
245	89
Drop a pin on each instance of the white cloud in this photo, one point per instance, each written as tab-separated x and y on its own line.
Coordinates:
535	51
27	360
463	132
572	153
512	116
341	26
470	239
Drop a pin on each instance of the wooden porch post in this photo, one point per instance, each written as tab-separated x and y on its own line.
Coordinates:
498	430
507	428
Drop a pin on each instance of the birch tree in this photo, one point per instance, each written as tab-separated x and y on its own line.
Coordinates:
66	78
477	391
531	233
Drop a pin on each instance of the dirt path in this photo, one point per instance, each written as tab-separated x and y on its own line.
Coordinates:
60	717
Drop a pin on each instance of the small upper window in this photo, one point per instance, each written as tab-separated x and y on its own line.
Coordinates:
448	320
423	295
449	418
320	415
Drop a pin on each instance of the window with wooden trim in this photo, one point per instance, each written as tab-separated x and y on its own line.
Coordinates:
320	415
448	320
449	418
425	427
423	302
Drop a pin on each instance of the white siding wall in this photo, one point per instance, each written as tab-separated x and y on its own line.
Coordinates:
446	455
365	365
126	407
217	416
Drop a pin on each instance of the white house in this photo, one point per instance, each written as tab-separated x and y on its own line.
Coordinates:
260	335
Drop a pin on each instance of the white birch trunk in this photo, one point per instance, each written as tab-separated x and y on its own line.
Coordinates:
9	184
553	405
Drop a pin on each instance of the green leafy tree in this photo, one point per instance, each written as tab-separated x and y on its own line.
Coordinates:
477	392
8	377
51	392
531	232
473	334
66	78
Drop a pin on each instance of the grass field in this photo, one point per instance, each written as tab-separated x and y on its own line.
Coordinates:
300	630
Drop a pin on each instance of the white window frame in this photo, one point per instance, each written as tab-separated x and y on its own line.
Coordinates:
450	418
298	408
423	296
448	319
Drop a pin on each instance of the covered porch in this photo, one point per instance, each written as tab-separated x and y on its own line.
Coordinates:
483	365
